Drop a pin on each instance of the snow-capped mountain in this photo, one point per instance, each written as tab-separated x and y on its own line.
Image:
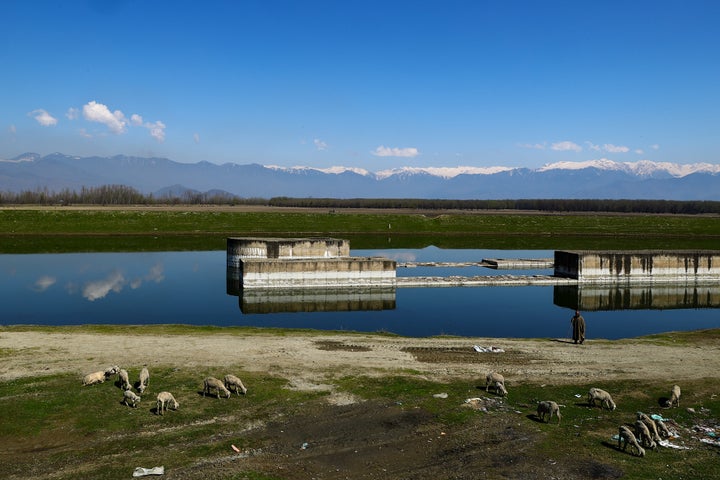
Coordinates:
601	178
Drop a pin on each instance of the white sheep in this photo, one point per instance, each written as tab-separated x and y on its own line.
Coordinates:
548	408
625	437
643	435
233	383
674	400
93	378
650	424
100	377
130	399
601	396
497	381
144	379
124	379
212	383
165	400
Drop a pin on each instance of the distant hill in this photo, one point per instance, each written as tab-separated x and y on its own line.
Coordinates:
602	179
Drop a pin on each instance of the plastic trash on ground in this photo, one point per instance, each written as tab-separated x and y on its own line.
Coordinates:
490	349
141	472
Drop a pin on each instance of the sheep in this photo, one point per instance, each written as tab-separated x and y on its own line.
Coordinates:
130	399
549	408
497	381
625	437
165	400
650	424
234	383
599	395
124	379
100	377
144	379
663	429
212	383
674	397
93	378
643	435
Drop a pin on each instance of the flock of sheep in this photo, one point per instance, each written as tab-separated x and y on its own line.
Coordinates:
165	400
647	432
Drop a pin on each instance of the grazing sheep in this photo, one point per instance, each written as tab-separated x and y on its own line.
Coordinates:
625	437
650	424
130	399
497	381
599	395
93	378
165	400
144	380
233	383
643	435
212	383
100	377
548	408
674	397
124	379
663	429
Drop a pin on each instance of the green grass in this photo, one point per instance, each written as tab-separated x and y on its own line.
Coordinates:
58	230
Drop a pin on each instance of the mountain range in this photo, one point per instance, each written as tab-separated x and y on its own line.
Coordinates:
596	179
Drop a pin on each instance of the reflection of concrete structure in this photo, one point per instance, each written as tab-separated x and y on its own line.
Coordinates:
649	266
309	300
305	263
636	297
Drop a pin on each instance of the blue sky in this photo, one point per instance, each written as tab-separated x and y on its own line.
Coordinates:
369	84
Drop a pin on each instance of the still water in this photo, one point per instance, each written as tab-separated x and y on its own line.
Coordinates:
194	288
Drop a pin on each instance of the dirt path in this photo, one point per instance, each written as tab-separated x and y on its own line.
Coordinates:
316	359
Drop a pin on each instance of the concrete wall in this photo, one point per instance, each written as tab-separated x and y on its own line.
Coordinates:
320	272
281	248
648	266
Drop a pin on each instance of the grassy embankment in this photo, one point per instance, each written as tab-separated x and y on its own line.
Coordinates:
116	229
105	440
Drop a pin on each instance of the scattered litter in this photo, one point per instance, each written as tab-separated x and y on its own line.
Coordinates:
710	442
667	444
615	437
235	448
440	395
577	395
655	416
472	400
490	349
304	446
141	472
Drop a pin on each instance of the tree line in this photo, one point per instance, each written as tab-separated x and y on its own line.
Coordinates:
124	195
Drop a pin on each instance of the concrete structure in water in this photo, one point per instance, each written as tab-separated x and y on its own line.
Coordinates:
638	267
304	263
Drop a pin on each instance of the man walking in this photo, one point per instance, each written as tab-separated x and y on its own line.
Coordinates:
578	328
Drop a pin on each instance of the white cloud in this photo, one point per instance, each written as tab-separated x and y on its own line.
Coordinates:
640	151
84	133
43	118
136	120
196	137
100	288
72	113
157	130
44	282
97	112
566	146
534	146
319	144
655	147
609	147
593	147
383	151
12	129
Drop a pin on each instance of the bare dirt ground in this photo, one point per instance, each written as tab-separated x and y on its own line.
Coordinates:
376	439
